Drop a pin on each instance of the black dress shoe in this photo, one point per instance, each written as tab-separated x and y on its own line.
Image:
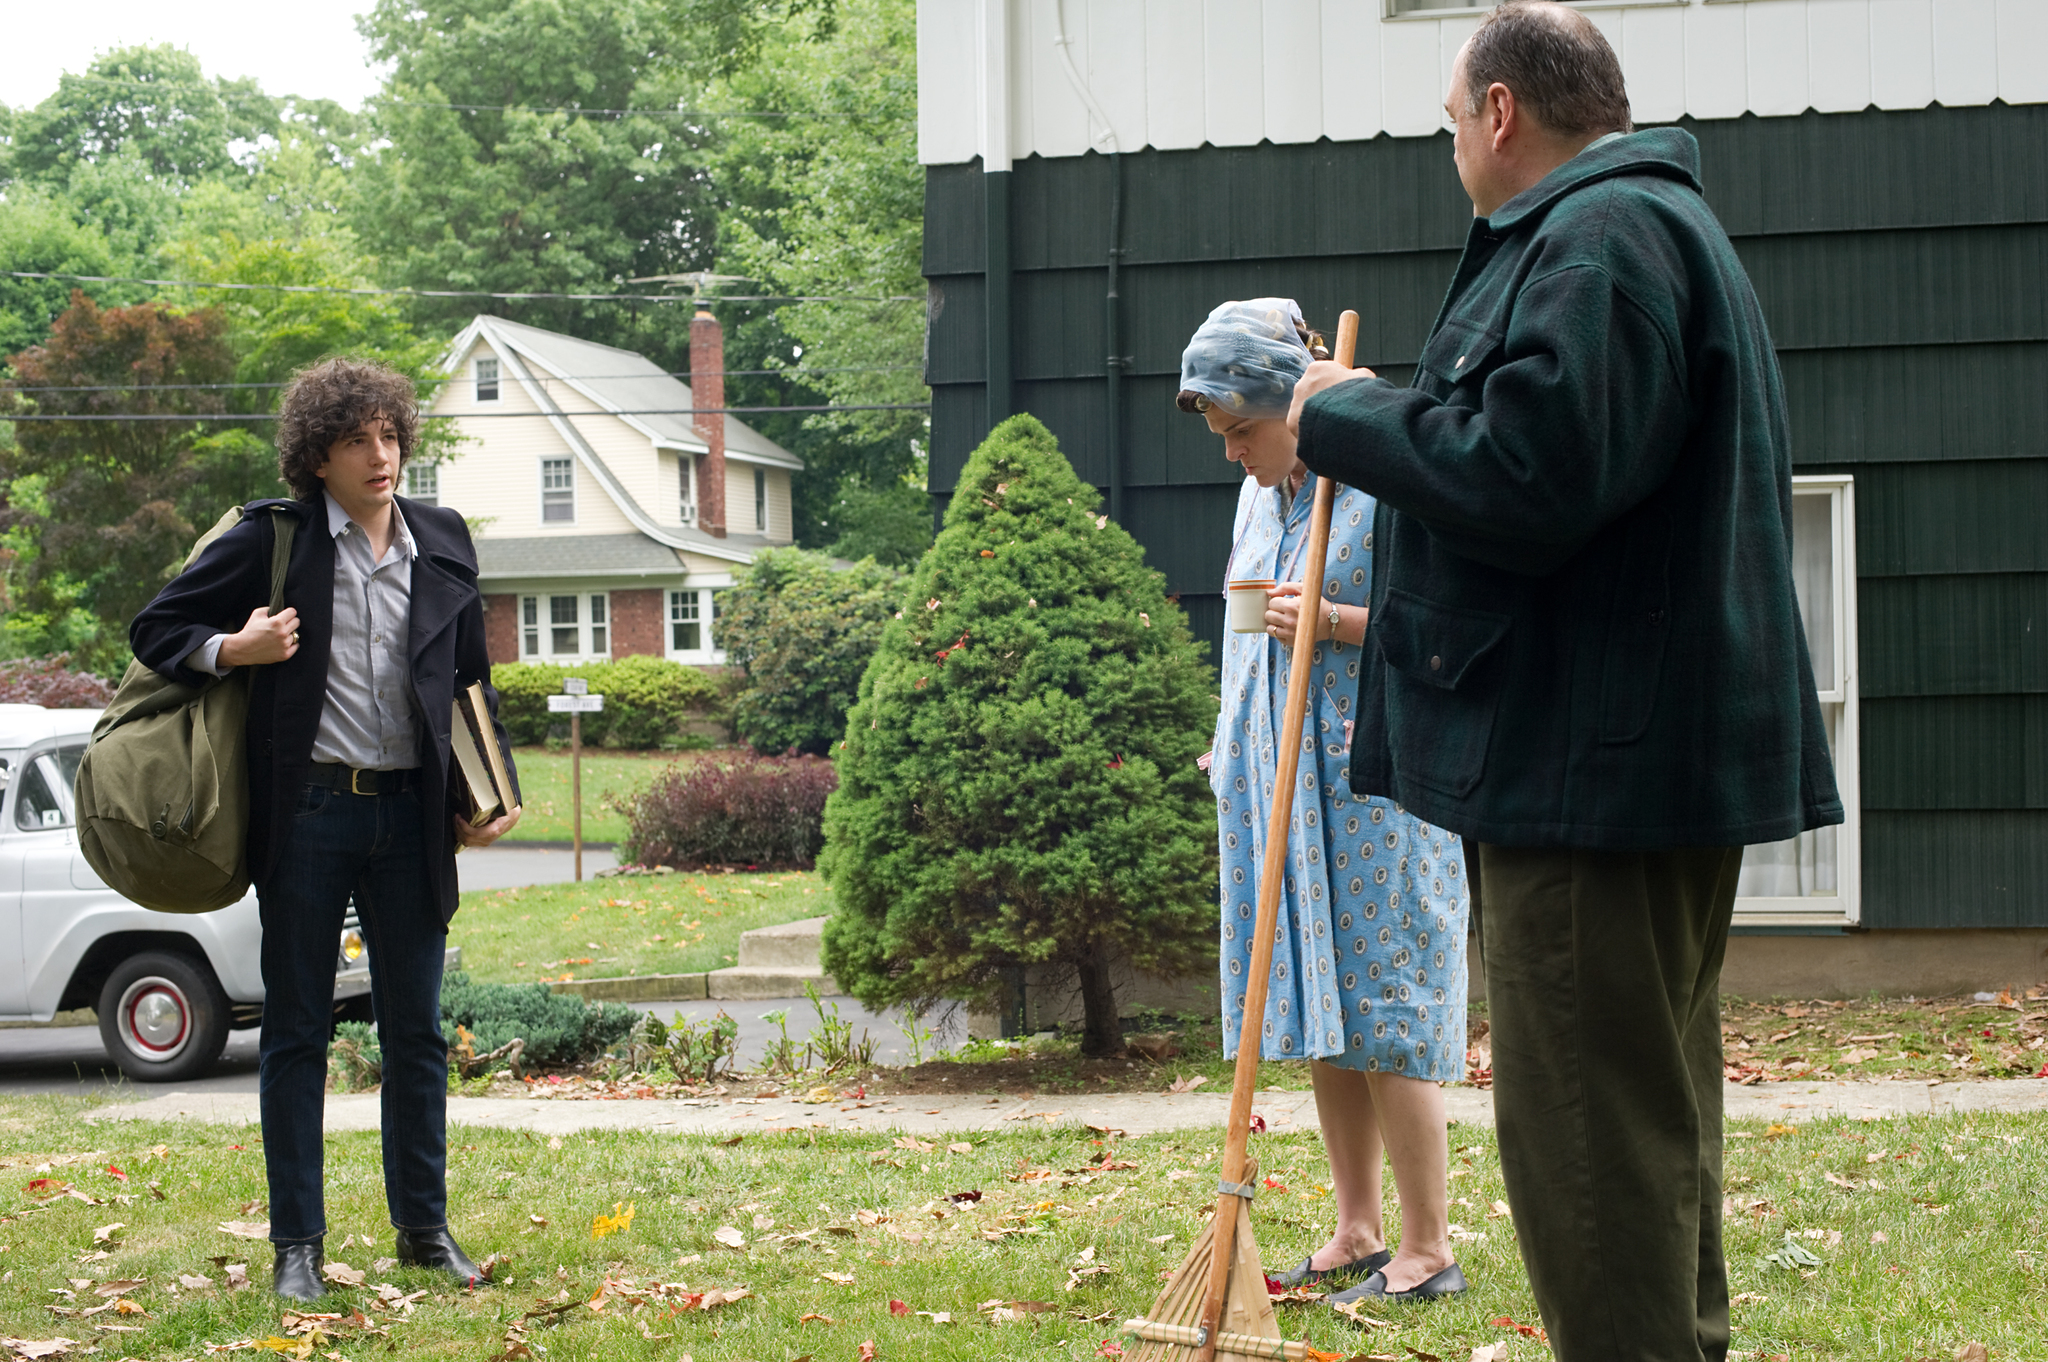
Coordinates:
437	1249
297	1277
1308	1274
1449	1282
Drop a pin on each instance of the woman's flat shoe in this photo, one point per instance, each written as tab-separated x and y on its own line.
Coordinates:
1449	1282
1308	1274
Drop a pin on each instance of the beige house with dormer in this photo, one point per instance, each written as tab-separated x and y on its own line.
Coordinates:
610	503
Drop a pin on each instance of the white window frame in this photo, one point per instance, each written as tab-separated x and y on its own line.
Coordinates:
488	375
707	653
423	482
595	629
761	499
1844	907
569	461
686	486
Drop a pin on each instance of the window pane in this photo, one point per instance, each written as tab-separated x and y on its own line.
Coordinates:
760	498
685	637
532	641
561	610
1813	579
39	804
598	642
530	608
597	610
1800	866
557	507
554	474
487	380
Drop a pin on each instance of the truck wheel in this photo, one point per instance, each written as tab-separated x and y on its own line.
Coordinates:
163	1018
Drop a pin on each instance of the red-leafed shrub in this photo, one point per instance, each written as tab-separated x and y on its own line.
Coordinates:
764	813
50	682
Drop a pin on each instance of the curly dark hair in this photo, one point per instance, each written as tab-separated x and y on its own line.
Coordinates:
333	398
1195	404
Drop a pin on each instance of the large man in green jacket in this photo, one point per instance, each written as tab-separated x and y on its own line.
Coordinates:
1586	656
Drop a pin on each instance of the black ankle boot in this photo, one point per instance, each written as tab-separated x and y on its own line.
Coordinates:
437	1249
297	1277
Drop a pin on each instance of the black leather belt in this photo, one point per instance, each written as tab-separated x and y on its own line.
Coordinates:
336	776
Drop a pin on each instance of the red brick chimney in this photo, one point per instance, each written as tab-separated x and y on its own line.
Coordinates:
707	389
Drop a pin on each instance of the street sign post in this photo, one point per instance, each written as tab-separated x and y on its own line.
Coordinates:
576	703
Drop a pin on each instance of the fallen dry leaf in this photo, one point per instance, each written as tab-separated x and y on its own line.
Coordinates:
897	1307
1489	1352
1972	1352
730	1236
193	1282
1187	1084
246	1229
867	1349
960	1147
837	1278
342	1274
28	1347
106	1234
1350	1310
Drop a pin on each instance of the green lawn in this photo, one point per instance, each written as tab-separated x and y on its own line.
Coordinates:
1928	1232
629	924
544	784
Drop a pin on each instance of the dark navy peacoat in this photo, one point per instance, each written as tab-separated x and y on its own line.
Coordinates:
445	645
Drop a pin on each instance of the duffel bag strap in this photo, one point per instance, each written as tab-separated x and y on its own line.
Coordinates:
284	526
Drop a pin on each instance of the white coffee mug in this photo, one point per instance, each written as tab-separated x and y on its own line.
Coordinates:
1247	610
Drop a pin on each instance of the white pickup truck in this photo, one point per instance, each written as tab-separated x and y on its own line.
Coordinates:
167	986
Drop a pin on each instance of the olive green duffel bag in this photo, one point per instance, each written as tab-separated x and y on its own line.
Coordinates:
163	791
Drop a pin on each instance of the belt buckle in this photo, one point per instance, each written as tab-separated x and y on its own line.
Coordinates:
355	775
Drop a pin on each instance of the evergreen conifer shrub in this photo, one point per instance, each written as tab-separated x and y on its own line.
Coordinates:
1018	780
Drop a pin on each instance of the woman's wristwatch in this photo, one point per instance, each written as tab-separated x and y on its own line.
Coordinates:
1334	617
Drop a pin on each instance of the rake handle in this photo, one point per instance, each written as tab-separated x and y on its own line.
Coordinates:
1272	872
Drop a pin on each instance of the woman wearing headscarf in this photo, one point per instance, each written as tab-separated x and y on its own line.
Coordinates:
1368	980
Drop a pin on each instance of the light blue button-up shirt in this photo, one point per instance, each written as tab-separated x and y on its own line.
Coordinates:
369	720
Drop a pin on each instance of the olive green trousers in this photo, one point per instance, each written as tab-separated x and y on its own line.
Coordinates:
1603	975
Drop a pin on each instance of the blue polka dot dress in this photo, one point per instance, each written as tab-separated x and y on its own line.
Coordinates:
1369	957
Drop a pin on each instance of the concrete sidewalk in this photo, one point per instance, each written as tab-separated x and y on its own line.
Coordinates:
1132	1113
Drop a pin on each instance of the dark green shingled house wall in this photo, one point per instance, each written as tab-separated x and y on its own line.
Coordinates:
1902	259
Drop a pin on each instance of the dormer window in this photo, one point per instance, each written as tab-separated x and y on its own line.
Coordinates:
487	380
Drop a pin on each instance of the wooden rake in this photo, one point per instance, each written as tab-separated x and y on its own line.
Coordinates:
1216	1304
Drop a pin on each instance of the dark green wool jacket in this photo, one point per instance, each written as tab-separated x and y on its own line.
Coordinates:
1583	628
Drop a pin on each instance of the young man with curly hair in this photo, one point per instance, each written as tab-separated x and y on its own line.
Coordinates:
349	718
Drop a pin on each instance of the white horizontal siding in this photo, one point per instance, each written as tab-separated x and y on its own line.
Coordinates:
1175	74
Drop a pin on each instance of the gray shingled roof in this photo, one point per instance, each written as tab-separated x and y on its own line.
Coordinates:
589	555
625	381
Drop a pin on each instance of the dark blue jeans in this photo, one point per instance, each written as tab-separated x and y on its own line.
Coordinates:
369	846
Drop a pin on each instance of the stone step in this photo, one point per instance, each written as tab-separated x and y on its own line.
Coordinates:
747	983
775	962
791	945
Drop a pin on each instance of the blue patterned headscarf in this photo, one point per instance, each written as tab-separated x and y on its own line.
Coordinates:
1246	357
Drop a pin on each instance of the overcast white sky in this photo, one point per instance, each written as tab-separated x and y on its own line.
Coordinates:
303	47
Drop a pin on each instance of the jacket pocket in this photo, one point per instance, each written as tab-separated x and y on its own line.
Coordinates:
1459	352
1441	700
1637	629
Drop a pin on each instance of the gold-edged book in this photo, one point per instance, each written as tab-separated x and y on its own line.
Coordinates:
485	784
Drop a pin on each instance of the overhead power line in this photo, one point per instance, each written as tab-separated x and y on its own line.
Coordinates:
176	85
476	293
683	374
476	415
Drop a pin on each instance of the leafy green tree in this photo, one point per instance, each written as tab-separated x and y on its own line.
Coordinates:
99	514
1018	780
801	633
151	104
472	194
829	202
39	233
891	524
